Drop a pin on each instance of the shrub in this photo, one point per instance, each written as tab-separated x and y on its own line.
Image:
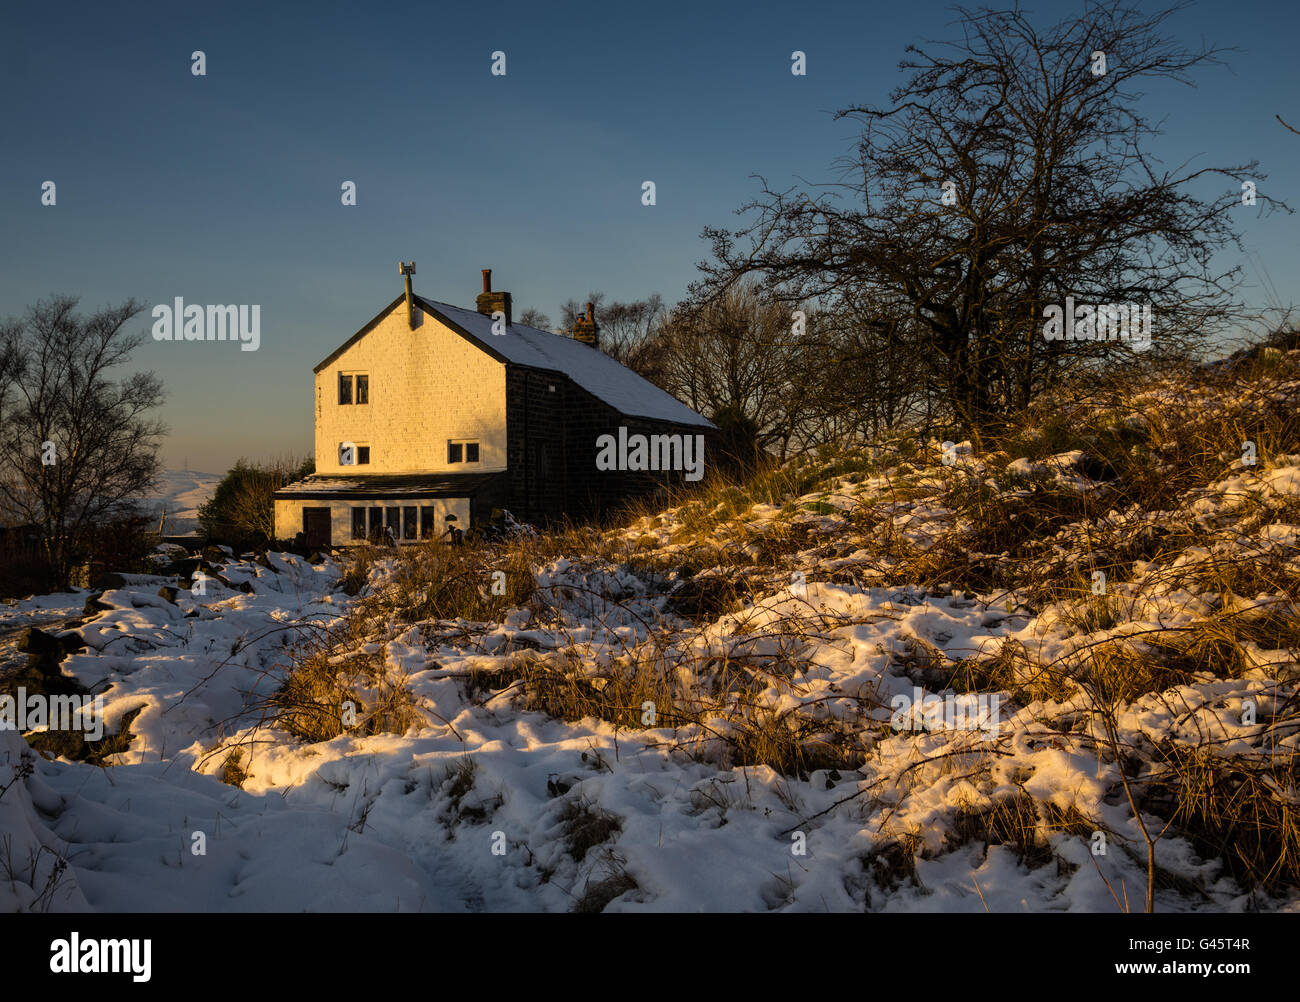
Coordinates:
241	511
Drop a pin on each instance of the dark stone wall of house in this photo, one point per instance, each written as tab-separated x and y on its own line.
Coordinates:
535	442
551	449
486	498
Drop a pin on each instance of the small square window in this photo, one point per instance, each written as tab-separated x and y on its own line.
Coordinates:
358	523
408	523
363	389
471	452
345	389
363	455
454	452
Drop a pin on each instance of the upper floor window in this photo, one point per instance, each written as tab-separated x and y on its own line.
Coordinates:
354	387
462	452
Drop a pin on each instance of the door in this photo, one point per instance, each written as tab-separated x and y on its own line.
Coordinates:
316	526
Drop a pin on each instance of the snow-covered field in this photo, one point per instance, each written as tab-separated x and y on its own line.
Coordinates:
180	493
486	804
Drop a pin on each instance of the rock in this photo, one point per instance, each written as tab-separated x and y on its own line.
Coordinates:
72	641
94	606
188	568
219	578
44	651
111	580
169	593
37	642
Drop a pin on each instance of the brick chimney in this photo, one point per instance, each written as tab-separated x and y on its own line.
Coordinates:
490	302
585	328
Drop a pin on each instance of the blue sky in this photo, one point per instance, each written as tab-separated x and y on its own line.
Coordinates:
225	188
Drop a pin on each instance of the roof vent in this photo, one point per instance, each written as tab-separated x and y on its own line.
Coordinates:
408	270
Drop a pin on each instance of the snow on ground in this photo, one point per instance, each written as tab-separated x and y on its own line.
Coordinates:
369	822
484	805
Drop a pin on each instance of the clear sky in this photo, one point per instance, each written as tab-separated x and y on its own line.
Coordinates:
225	188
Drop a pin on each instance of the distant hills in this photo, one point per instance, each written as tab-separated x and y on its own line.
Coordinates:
180	493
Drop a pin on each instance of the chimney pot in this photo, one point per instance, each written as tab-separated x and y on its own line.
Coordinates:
490	302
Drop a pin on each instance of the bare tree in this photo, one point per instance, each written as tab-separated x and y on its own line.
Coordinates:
737	355
535	318
1009	171
863	380
79	448
626	329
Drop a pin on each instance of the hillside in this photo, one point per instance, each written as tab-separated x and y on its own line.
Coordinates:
1047	674
180	493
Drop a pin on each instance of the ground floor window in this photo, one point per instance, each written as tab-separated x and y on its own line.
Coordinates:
373	521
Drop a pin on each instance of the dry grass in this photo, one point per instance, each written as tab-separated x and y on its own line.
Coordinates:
327	693
1031	543
608	880
587	826
233	772
1241	809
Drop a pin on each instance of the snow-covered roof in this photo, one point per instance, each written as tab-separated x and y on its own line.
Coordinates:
383	485
588	367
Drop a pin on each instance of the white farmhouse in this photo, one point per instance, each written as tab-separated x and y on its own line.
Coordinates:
433	419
